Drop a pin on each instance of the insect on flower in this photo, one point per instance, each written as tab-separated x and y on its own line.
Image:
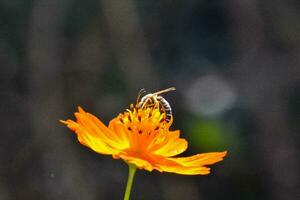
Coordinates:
156	101
141	136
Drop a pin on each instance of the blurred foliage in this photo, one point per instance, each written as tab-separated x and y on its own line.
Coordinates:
209	134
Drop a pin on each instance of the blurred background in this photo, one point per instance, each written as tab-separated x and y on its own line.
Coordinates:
235	64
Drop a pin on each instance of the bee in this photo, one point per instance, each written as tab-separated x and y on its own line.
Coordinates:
156	101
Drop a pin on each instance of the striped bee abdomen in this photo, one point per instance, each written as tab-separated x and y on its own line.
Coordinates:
165	107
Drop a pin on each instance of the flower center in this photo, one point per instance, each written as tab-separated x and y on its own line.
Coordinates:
144	126
144	120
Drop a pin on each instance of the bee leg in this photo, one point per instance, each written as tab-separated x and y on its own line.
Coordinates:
143	105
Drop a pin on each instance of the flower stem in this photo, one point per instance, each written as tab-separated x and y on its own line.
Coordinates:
132	169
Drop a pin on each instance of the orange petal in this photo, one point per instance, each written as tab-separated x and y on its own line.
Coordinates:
172	145
201	159
192	165
139	162
186	170
96	128
89	140
121	134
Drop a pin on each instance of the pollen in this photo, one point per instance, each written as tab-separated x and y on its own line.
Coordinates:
144	120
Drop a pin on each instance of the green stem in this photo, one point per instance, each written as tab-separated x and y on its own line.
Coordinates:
132	169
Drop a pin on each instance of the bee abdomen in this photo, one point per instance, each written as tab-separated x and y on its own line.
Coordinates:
166	107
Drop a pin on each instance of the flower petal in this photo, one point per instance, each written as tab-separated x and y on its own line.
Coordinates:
199	170
192	165
201	159
120	132
172	145
95	127
139	162
89	140
93	133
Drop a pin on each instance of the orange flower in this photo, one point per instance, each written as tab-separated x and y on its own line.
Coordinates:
141	136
